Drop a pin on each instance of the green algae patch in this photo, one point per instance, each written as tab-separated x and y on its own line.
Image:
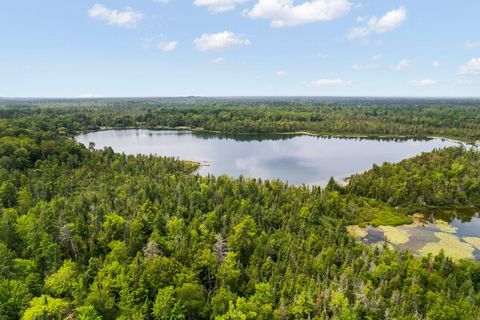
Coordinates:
451	246
395	235
473	241
357	232
419	219
445	226
418	215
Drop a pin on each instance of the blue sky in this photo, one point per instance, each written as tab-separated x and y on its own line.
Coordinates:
110	48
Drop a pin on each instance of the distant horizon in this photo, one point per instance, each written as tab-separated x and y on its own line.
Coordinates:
243	96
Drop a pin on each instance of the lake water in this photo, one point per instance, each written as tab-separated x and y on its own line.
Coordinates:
296	159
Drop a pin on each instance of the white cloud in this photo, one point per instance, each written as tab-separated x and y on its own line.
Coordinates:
330	83
219	5
472	45
126	19
162	1
402	65
422	83
472	67
376	57
218	60
218	41
322	55
436	64
368	66
284	13
168	46
390	21
280	73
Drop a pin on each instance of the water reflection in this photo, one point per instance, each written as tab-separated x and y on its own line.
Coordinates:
294	158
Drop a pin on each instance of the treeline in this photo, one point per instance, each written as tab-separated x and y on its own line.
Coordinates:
88	234
445	177
460	119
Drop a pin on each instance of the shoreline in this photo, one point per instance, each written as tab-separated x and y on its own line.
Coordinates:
296	133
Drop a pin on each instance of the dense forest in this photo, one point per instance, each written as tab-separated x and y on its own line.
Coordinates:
377	118
446	177
91	234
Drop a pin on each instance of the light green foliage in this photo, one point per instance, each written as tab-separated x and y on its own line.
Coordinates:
221	301
341	307
166	306
46	307
242	240
263	301
193	299
87	313
241	310
443	310
113	227
63	282
175	229
14	298
159	272
229	273
303	305
205	262
109	281
258	306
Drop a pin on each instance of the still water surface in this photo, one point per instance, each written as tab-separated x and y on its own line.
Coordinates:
296	159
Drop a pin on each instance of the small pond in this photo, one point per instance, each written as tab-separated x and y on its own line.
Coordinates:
456	232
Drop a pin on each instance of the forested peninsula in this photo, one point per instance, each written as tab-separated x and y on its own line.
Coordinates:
94	234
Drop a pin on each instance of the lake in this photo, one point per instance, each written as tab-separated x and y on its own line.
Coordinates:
297	159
